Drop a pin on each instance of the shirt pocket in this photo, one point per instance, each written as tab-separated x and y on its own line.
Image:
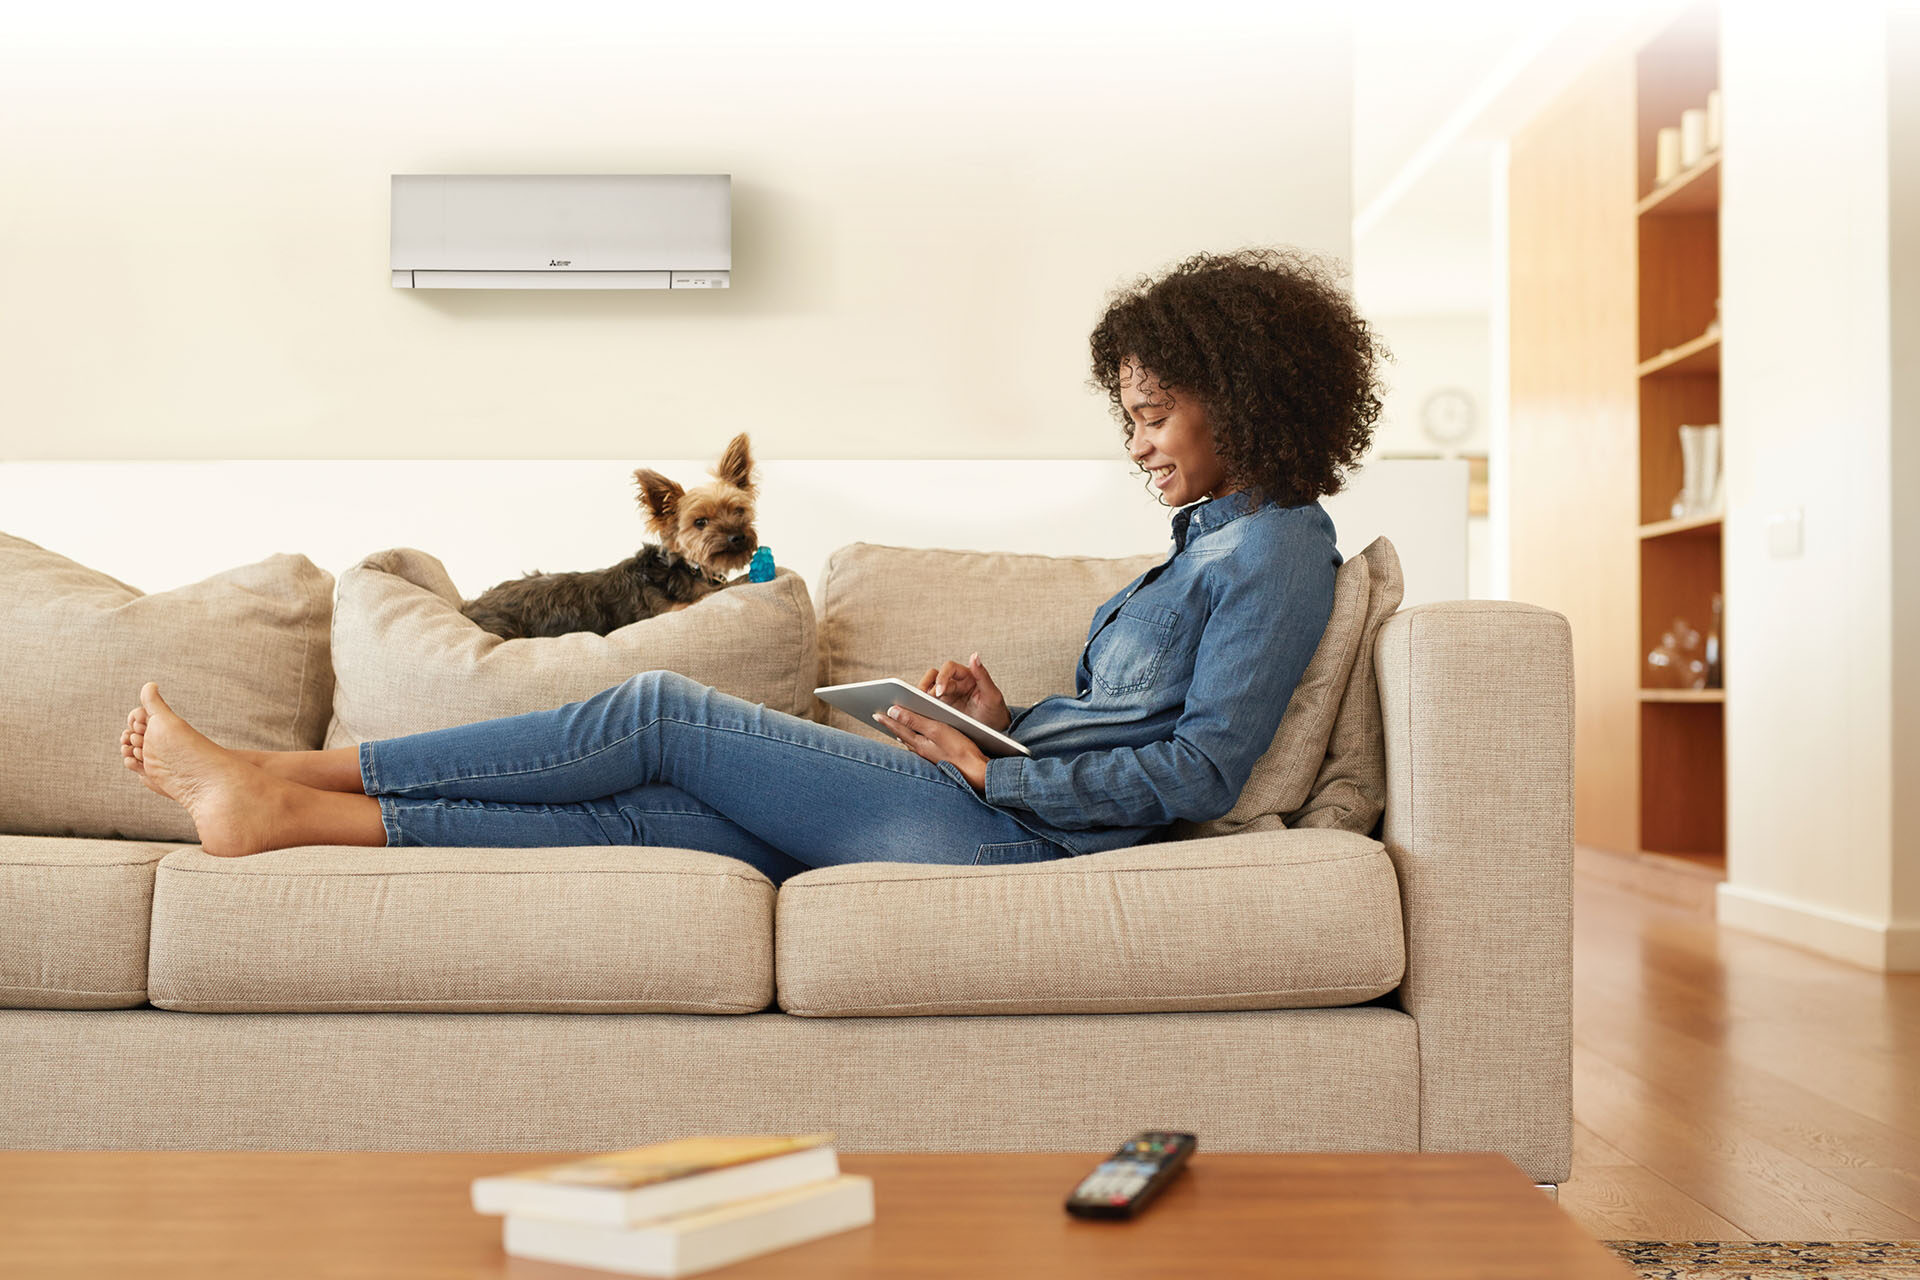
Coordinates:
1130	650
997	855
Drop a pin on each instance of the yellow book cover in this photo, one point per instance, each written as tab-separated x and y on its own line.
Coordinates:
666	1161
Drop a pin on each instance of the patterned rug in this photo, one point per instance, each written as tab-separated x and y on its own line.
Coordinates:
1770	1259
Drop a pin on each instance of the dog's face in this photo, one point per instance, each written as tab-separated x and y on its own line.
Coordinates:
712	526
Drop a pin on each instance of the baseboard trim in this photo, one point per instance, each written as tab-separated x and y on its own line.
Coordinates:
1885	948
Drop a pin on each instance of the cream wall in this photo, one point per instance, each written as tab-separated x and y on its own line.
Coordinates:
1903	220
928	213
1820	697
1431	352
488	520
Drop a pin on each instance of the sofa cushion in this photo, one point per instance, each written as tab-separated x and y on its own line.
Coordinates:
1279	920
76	913
896	611
406	659
243	655
1350	792
477	930
1305	774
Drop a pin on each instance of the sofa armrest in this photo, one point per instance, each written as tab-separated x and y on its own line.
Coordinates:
1476	697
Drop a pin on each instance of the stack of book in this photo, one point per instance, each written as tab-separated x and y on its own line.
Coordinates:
677	1208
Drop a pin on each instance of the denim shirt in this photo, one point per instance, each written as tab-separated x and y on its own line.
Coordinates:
1182	683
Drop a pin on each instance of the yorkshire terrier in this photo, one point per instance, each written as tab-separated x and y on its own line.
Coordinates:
705	534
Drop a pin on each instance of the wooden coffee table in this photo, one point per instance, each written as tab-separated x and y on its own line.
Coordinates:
213	1214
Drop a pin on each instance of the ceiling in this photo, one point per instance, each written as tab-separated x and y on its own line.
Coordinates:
1437	89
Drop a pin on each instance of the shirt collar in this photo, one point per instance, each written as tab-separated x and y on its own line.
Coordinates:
1209	513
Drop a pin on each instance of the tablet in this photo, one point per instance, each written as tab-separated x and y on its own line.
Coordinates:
863	699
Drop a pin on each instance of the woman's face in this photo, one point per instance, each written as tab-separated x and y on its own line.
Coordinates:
1171	431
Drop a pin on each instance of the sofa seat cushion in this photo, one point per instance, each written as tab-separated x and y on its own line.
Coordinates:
75	921
1267	920
604	930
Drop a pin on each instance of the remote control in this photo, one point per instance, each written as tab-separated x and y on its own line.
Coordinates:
1125	1181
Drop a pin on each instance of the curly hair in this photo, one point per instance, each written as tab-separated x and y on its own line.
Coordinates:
1271	346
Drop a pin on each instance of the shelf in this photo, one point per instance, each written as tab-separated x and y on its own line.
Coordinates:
1701	355
1695	190
1693	526
1683	695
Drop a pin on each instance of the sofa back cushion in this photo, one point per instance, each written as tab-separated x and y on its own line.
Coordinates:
242	655
407	660
896	611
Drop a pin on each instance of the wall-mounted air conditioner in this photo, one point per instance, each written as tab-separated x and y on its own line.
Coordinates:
562	231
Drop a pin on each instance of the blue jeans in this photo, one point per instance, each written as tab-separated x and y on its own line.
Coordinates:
663	760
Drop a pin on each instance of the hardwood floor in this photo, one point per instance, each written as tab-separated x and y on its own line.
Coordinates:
1729	1087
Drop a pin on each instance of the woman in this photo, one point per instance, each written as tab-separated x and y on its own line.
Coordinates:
1245	384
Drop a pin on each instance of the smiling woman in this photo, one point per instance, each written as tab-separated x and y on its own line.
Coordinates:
1245	382
1243	370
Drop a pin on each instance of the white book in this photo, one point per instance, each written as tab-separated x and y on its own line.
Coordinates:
696	1242
625	1188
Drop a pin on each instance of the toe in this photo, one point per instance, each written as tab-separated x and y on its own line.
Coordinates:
151	700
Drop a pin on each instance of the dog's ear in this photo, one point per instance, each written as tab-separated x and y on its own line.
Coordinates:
659	495
736	464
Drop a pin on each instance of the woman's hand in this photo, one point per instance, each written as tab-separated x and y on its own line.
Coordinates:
969	688
931	740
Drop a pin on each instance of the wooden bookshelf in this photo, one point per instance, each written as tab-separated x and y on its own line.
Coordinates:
1690	526
1683	695
1701	355
1682	747
1693	191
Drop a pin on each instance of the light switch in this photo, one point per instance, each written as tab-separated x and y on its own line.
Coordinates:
1785	535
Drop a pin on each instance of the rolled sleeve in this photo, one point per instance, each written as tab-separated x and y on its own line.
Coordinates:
1006	781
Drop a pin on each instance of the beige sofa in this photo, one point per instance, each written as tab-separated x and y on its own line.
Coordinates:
1371	951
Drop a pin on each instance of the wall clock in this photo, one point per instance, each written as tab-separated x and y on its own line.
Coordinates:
1448	415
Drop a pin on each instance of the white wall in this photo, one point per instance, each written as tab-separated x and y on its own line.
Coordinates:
1812	671
929	209
1432	352
1903	220
489	520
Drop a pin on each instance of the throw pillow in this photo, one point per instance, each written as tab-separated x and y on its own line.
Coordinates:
242	655
407	660
1285	778
1350	792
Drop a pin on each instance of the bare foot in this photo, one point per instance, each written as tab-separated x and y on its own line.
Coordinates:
131	739
234	804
